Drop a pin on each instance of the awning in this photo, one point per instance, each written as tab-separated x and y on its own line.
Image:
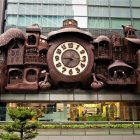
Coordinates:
101	38
10	34
13	69
134	40
70	30
119	64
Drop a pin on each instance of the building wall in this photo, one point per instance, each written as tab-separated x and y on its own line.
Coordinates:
2	14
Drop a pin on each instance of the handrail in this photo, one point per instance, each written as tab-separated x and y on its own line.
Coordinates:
80	122
87	122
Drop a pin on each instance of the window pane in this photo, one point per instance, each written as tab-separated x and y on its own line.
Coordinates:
136	13
31	1
12	1
120	12
22	21
97	2
102	23
45	9
52	21
29	20
69	17
117	23
44	21
98	11
54	1
36	20
53	9
68	1
119	2
136	23
135	3
12	9
69	10
80	10
11	20
32	9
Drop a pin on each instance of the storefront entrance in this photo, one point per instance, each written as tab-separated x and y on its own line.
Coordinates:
94	112
103	111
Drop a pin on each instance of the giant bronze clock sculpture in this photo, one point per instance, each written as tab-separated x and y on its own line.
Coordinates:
68	58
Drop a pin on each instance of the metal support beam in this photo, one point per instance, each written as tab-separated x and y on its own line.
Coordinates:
70	95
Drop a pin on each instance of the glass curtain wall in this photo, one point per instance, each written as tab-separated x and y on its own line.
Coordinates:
103	14
111	14
46	13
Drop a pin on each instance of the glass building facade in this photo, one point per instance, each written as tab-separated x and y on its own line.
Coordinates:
97	14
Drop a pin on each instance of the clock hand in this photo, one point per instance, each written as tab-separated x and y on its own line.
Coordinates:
67	58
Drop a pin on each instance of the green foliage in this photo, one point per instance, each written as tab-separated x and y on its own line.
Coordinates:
80	126
22	128
21	113
9	136
72	126
121	126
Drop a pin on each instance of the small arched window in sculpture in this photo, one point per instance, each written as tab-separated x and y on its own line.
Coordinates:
16	45
15	53
103	48
130	32
119	74
31	75
15	76
31	40
2	56
42	56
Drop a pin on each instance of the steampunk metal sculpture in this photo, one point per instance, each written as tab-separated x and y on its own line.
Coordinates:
68	56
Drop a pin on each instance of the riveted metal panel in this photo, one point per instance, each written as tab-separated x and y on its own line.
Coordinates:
61	97
71	95
85	97
12	97
37	97
109	97
130	97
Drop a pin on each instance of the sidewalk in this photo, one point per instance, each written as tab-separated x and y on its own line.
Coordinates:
121	137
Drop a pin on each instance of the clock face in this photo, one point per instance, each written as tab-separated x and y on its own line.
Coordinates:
70	58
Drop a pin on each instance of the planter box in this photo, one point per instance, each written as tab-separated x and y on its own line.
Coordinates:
97	131
74	131
121	131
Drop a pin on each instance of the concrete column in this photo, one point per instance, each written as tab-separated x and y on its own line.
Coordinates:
3	4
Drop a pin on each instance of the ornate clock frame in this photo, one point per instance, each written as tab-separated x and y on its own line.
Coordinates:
74	74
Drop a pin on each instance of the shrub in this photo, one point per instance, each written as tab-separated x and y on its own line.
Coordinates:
21	128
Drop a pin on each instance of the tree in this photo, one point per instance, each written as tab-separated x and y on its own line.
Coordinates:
21	127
